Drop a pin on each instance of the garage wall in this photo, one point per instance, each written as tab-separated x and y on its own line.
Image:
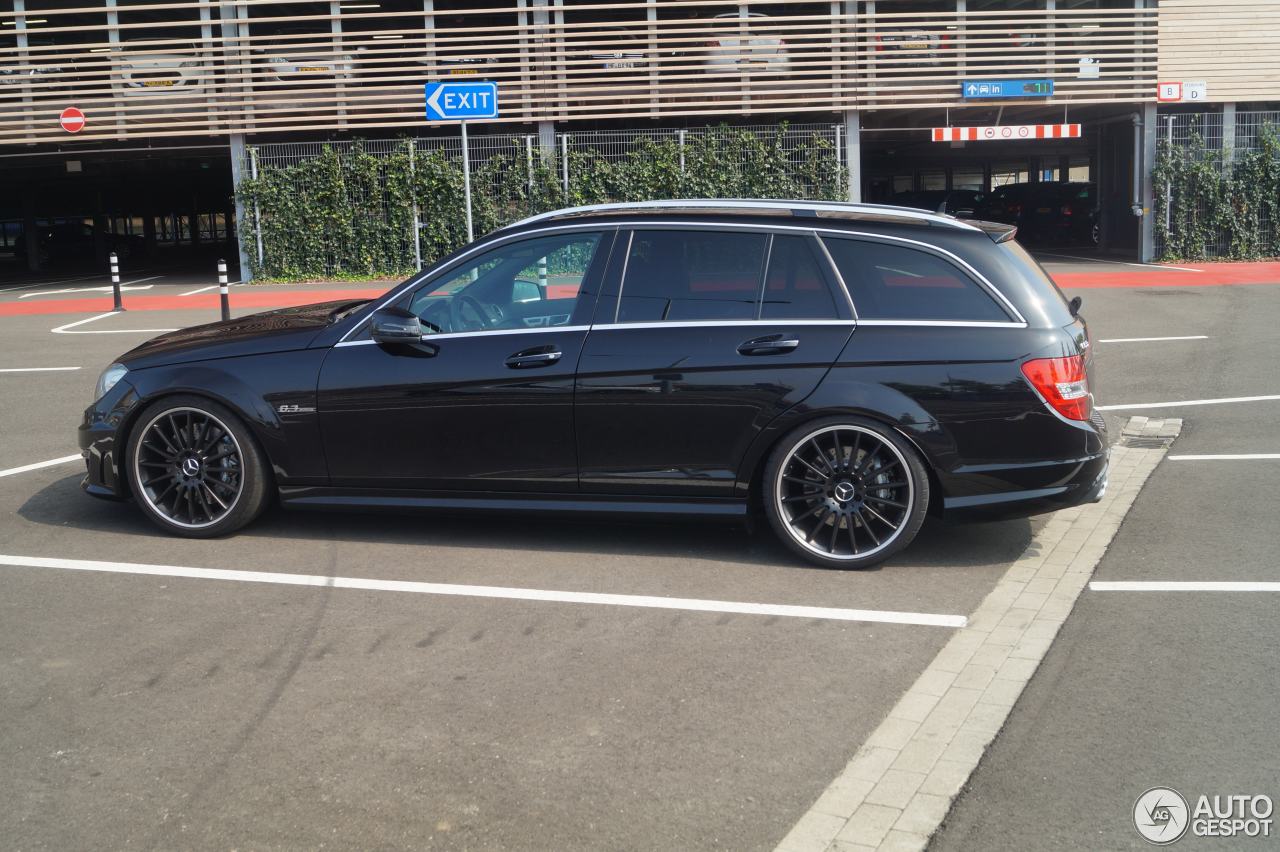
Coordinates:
1230	44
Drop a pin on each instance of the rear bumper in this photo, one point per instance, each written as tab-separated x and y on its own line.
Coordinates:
1074	482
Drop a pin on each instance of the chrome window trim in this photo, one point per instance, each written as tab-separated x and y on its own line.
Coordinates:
722	323
503	238
487	332
944	323
835	270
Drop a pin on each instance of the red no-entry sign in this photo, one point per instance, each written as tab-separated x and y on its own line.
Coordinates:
72	120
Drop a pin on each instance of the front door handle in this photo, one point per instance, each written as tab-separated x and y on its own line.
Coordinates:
770	344
539	356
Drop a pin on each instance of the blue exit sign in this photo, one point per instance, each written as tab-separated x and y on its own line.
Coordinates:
985	89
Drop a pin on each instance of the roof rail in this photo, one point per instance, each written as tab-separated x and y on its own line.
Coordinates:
747	206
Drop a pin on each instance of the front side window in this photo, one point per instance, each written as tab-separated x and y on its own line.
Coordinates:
529	284
891	282
674	276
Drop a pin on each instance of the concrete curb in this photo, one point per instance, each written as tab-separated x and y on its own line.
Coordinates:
900	784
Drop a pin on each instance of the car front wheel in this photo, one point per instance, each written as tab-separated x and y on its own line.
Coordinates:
845	492
195	469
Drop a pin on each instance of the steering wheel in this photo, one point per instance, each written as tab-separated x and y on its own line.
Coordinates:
458	322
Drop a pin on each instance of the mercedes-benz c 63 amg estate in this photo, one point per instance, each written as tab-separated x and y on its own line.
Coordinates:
843	369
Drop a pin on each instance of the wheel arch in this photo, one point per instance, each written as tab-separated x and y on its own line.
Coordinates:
130	423
768	441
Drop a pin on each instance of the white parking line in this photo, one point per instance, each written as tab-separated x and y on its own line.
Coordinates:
1152	339
18	287
1188	586
1137	406
1119	262
199	290
1226	457
36	369
66	329
124	288
505	593
50	463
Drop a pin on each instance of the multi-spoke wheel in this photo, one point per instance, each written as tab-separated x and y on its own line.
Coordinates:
194	468
845	492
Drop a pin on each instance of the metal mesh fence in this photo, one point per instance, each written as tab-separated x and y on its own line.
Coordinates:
513	175
1209	134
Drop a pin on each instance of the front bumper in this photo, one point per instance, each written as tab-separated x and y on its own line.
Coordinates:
101	442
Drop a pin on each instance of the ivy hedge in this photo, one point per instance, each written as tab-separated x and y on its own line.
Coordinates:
1221	204
351	215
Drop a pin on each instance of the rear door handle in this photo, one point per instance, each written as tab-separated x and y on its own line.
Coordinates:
770	344
539	356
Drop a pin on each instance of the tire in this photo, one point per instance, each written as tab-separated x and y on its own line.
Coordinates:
845	492
195	469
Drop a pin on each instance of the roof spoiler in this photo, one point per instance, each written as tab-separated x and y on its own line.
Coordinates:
999	232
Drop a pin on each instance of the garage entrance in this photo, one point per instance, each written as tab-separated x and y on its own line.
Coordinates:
154	207
1071	193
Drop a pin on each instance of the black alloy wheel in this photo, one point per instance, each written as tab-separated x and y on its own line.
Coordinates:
846	493
195	469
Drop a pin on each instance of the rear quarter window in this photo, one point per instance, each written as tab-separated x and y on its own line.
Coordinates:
891	282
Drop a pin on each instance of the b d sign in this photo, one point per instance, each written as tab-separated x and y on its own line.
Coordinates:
461	101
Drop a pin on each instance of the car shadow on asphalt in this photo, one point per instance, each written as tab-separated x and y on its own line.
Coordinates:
940	543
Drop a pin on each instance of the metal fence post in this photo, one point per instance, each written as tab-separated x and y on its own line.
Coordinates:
115	281
564	164
680	137
223	295
413	194
528	161
257	214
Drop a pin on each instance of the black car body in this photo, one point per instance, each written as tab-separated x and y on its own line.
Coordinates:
695	358
1047	213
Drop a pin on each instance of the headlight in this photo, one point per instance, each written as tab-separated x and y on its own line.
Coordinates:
108	380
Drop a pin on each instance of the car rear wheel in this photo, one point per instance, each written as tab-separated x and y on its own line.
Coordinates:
195	469
845	492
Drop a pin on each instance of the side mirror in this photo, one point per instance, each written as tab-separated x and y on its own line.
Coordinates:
395	326
1074	305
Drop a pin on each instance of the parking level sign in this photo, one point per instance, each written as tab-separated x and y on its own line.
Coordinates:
461	101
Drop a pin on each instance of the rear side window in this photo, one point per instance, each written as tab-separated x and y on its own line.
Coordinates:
794	287
692	275
890	282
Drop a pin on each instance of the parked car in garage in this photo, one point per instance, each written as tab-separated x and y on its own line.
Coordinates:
147	69
1063	213
77	241
1004	203
301	54
736	44
954	202
910	45
842	369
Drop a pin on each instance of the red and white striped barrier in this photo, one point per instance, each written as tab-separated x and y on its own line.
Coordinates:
1004	132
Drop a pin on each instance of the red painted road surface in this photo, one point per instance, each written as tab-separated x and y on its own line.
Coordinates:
245	300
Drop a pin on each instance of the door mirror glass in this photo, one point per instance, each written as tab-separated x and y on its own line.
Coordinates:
523	291
395	325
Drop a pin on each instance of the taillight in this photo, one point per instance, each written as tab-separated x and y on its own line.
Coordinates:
879	42
1066	210
1062	383
1015	208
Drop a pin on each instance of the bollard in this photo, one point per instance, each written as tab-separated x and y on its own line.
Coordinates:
222	289
115	282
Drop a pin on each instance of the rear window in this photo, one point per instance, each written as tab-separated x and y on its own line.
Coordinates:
795	287
891	282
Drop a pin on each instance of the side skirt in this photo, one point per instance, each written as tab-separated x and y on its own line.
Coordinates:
357	499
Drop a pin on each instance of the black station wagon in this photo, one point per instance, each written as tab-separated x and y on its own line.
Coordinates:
845	369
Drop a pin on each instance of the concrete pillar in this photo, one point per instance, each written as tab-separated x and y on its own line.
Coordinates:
1147	231
853	152
237	164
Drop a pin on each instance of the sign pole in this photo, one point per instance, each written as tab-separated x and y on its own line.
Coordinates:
223	296
466	178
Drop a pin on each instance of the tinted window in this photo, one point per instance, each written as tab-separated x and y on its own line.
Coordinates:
794	286
898	283
692	275
528	284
